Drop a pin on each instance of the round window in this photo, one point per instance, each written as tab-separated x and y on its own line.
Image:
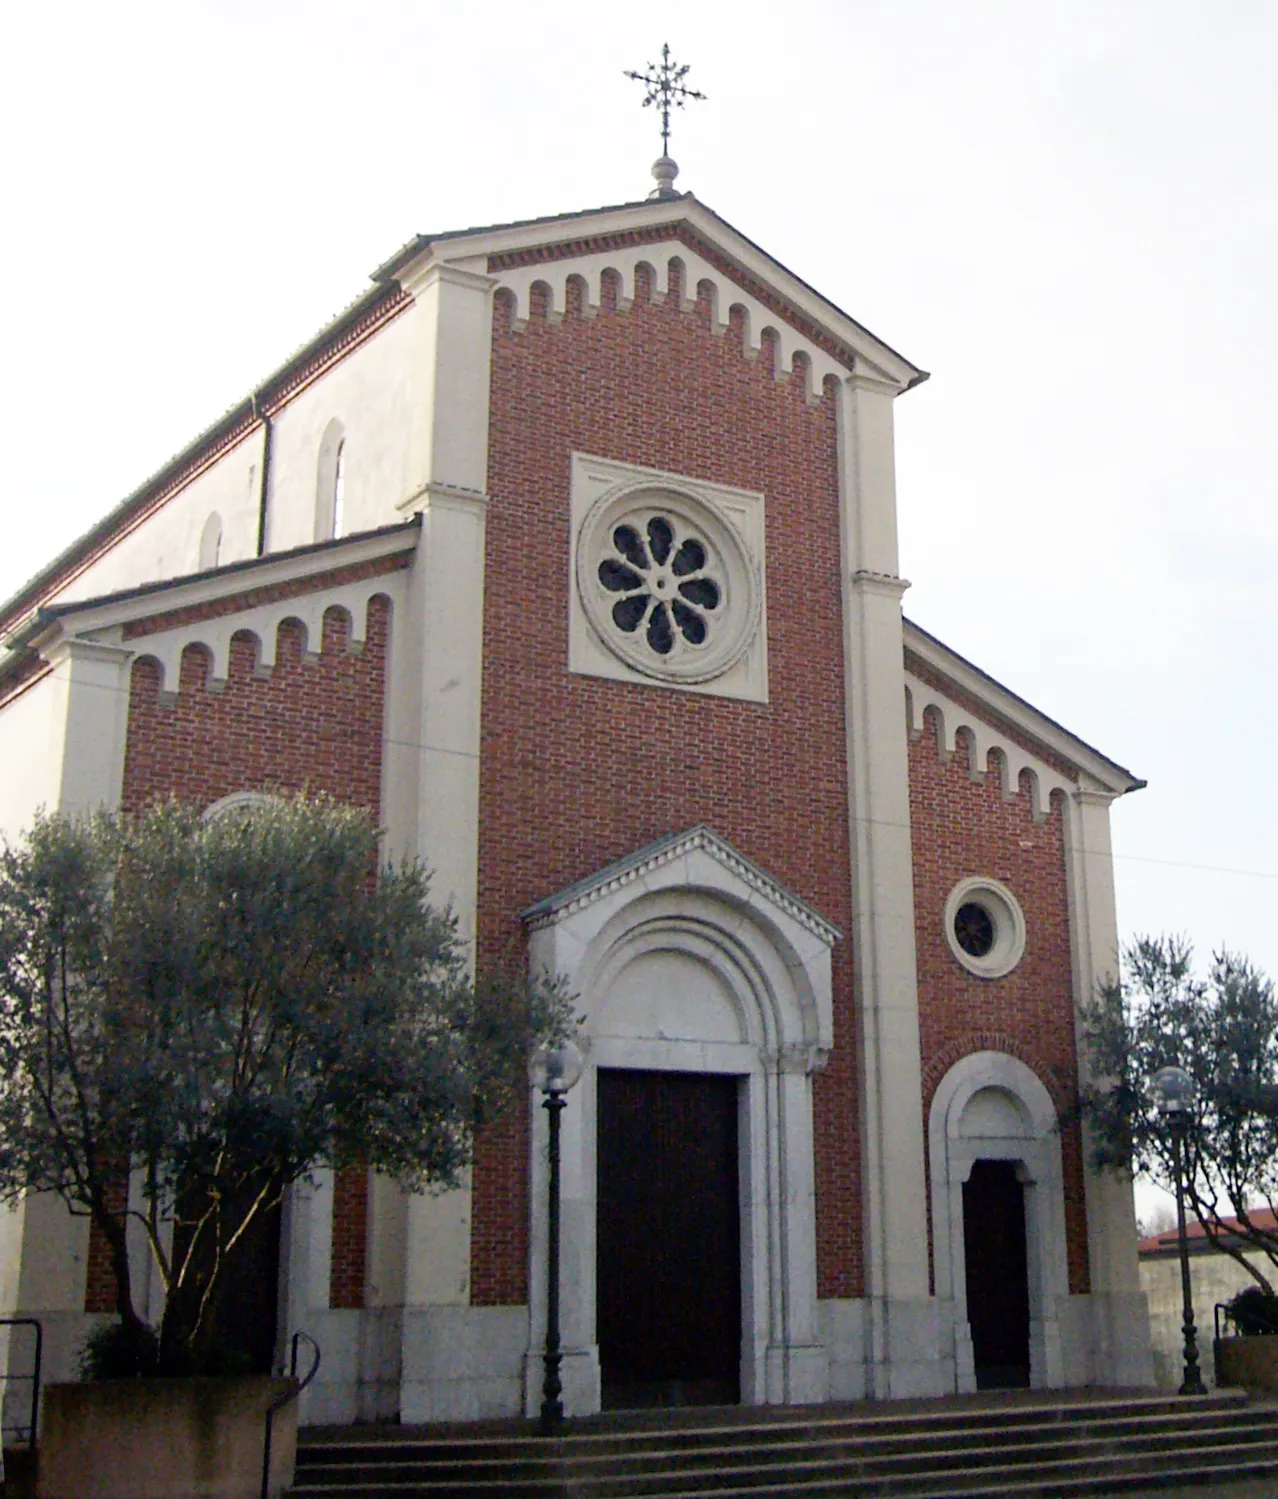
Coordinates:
985	927
667	584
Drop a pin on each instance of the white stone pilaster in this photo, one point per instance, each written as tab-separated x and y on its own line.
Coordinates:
901	1322
90	723
1120	1318
433	723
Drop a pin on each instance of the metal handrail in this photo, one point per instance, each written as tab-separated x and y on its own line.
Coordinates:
34	1376
285	1398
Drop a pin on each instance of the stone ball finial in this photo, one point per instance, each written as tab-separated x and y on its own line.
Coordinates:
665	170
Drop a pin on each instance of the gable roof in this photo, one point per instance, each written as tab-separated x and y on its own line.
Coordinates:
384	299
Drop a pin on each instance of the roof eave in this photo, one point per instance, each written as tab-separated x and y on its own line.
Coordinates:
1015	709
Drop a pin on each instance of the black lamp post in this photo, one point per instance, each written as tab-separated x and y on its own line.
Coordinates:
553	1070
1174	1092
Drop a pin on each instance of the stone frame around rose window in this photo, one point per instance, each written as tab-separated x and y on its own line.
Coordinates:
603	493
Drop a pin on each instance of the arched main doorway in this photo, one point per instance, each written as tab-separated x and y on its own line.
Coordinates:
705	991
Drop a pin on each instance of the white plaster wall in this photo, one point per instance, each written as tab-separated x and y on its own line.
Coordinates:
27	753
369	392
167	545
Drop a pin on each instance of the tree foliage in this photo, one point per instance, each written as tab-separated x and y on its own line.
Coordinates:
1223	1030
218	1006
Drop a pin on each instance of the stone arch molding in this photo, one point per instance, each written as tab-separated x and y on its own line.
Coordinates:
688	957
990	1106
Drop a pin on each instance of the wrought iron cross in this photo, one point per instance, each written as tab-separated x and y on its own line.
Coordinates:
666	89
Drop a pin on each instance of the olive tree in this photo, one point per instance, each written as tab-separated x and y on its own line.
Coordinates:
213	1008
1222	1028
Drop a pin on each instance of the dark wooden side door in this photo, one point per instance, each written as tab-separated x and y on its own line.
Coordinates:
997	1275
669	1239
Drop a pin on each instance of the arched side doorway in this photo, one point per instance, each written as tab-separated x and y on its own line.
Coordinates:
690	965
995	1165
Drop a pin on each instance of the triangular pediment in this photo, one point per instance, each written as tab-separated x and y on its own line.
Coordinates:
673	860
770	299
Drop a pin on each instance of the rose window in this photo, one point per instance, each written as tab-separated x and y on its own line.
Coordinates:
667	589
666	583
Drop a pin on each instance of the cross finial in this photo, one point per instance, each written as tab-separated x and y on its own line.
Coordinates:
667	90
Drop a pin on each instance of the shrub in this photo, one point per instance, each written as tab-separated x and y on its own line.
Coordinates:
1254	1312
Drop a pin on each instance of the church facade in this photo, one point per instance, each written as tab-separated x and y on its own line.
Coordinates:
570	552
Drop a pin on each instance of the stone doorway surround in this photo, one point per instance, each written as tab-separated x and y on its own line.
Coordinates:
990	1106
686	956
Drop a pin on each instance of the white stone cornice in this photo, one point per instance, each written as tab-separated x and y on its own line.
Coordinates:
436	496
71	648
101	614
666	851
887	584
424	274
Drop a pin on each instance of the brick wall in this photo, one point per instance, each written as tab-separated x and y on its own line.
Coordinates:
961	828
577	771
312	725
350	1237
99	1277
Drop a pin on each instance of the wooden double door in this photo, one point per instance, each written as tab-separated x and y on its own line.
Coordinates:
668	1239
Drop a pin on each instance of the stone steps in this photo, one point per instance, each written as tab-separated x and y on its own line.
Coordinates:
1038	1448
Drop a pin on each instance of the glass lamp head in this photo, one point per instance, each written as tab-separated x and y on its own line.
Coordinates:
1173	1092
556	1069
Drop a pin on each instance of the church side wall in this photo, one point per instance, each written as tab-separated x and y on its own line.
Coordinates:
577	770
167	544
368	392
964	828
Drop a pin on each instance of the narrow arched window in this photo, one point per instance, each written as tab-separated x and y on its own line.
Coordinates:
210	543
330	482
339	488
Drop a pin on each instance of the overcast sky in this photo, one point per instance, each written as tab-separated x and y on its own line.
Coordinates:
1066	212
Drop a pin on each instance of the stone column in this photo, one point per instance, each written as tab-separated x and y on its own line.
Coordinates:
1120	1317
902	1329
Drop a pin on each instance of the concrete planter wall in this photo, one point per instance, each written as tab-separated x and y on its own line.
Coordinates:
1249	1362
164	1439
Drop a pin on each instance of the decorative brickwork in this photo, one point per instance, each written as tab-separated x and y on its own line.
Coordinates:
350	1238
924	672
308	726
961	827
678	234
311	725
577	771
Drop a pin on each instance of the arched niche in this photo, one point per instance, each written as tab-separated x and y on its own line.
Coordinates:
686	957
992	1107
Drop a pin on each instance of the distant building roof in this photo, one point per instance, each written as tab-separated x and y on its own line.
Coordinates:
1158	1245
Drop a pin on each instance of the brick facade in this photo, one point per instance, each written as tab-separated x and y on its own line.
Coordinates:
313	724
577	771
961	827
